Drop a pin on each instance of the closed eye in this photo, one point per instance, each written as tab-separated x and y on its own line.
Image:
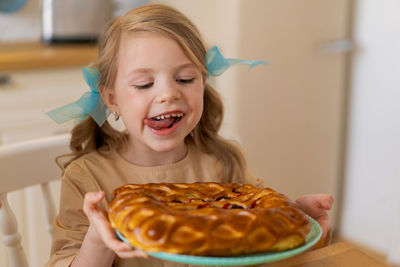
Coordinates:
185	81
144	86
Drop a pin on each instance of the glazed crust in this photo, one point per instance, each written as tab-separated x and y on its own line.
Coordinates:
213	219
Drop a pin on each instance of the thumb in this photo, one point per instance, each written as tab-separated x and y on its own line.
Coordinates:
326	201
91	200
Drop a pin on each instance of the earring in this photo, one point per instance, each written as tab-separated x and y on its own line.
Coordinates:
116	115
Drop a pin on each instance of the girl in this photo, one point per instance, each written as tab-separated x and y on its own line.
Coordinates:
151	72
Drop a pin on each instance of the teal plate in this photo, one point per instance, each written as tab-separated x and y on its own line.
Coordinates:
251	259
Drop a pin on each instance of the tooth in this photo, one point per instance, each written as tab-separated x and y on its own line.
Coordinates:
162	117
158	118
167	116
173	115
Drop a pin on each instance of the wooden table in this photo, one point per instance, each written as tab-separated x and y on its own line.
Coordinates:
341	254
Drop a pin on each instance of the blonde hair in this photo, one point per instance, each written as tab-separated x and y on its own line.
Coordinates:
161	19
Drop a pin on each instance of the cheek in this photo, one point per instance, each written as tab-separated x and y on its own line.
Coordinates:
198	104
124	93
131	105
201	104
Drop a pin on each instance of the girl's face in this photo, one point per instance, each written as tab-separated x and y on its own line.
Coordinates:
158	92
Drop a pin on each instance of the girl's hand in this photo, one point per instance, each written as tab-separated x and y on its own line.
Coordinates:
317	206
100	229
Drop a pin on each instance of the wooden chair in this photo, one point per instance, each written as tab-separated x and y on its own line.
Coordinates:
23	165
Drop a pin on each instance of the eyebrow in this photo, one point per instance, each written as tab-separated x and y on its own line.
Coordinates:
187	65
148	70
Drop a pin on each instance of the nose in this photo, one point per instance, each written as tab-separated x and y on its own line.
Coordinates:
169	93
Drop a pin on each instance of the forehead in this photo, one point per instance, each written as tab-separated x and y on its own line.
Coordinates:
142	47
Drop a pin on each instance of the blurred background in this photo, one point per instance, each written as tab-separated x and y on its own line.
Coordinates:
323	116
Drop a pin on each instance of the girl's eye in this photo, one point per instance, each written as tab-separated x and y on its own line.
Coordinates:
144	86
185	81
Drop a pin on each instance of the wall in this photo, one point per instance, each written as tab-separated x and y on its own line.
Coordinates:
22	25
371	208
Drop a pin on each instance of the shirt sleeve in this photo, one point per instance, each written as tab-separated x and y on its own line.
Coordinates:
71	224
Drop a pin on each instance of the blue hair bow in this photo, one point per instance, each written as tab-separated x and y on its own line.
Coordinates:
217	64
91	103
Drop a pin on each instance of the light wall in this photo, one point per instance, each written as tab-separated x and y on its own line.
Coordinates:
371	207
22	25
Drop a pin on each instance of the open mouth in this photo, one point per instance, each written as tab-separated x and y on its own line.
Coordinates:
165	121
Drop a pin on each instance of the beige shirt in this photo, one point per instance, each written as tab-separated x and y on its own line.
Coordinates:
95	172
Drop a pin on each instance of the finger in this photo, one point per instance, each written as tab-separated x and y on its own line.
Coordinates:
324	240
109	238
308	202
100	222
328	238
97	217
326	233
91	200
108	235
324	201
327	202
325	225
133	254
119	247
309	205
313	203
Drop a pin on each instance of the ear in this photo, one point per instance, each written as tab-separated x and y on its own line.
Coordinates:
108	96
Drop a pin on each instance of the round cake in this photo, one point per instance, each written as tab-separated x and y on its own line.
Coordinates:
213	219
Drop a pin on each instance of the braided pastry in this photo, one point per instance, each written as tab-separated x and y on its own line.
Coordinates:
212	219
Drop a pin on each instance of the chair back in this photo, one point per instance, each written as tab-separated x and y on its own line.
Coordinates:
23	165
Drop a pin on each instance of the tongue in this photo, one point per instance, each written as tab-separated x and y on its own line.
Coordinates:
157	125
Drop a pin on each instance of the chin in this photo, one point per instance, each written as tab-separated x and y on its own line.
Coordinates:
167	147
